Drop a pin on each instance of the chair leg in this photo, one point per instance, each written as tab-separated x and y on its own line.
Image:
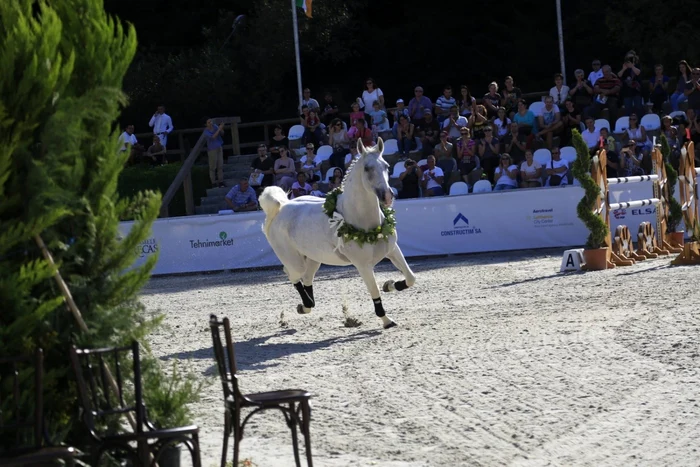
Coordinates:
227	435
293	422
236	437
305	424
196	455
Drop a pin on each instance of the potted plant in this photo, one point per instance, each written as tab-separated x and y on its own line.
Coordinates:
595	253
167	398
674	215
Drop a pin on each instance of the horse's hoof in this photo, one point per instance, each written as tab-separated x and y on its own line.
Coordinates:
388	286
390	324
302	310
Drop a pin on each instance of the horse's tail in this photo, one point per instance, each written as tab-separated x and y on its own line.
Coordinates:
271	201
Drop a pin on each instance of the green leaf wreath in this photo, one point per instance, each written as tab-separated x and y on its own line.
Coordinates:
348	232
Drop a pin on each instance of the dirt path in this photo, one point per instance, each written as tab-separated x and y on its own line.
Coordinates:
498	360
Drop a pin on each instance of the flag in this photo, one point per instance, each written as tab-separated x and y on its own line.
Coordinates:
306	5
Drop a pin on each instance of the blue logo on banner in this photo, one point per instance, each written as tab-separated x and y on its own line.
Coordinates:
460	226
460	217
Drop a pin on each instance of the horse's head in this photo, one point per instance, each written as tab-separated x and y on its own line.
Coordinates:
375	171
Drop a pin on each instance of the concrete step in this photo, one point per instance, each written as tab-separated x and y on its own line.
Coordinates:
242	159
213	200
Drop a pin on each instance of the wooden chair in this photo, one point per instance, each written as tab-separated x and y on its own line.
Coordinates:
293	403
100	374
19	424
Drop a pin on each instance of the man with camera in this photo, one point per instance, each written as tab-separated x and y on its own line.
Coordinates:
410	180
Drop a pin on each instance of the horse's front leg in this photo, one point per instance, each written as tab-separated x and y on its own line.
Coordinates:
396	257
367	274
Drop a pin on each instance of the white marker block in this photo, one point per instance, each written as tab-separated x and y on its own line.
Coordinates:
572	260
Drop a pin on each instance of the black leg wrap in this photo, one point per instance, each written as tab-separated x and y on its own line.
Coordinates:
378	308
305	299
310	292
400	285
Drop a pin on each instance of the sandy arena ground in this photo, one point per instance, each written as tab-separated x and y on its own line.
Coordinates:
498	360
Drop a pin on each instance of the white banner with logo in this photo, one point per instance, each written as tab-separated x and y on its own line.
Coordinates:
508	220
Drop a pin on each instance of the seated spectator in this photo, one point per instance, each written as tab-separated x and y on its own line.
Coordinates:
692	90
613	160
278	140
428	131
591	136
470	168
308	101
570	120
410	180
352	155
683	77
638	133
511	94
300	187
285	171
433	178
581	91
453	123
316	192
419	105
514	144
526	120
597	72
360	131
479	121
467	102
380	121
336	180
356	113
265	166
310	164
444	148
313	133
156	153
549	121
489	149
400	109
502	123
675	143
444	152
444	104
339	139
694	126
130	143
242	197
658	88
506	174
606	91
631	84
492	100
530	172
215	152
330	110
557	172
630	162
560	91
404	137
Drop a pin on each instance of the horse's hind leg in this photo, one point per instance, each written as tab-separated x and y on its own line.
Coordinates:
367	274
307	279
396	257
295	268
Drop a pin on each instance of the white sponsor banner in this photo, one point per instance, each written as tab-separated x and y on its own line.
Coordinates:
507	220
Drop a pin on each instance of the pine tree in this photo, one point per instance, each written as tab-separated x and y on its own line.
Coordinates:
61	70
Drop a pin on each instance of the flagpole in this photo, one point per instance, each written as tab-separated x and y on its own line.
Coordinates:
296	49
561	40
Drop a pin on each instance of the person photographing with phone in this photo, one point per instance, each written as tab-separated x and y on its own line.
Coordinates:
162	125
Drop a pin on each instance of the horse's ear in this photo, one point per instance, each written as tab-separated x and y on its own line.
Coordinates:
380	145
360	147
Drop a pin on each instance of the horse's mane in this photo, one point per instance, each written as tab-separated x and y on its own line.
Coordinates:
348	173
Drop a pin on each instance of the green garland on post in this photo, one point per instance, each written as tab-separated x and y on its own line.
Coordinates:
348	232
597	229
675	211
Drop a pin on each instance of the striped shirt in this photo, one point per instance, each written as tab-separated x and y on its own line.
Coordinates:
241	198
607	84
444	103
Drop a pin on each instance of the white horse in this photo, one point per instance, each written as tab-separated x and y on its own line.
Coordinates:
302	237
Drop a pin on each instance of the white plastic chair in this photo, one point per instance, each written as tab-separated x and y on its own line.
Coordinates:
543	156
324	153
329	174
651	122
568	153
677	113
459	188
391	146
602	123
295	132
622	124
422	162
399	168
482	186
536	108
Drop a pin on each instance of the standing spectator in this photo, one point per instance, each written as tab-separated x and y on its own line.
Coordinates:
278	140
560	91
300	187
285	171
658	88
370	95
419	105
606	92
359	131
530	172
454	122
683	77
215	152
444	104
410	180
489	149
631	92
597	72
330	110
157	152
404	137
515	144
162	125
242	197
692	90
511	94
581	91
309	101
492	100
506	174
557	170
467	102
263	164
433	178
549	121
571	120
428	132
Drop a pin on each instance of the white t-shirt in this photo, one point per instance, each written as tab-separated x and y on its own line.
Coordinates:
502	178
126	138
592	138
502	131
559	96
530	169
595	75
437	172
459	123
368	98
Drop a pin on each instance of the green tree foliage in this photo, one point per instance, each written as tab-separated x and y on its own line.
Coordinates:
61	70
675	211
597	230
